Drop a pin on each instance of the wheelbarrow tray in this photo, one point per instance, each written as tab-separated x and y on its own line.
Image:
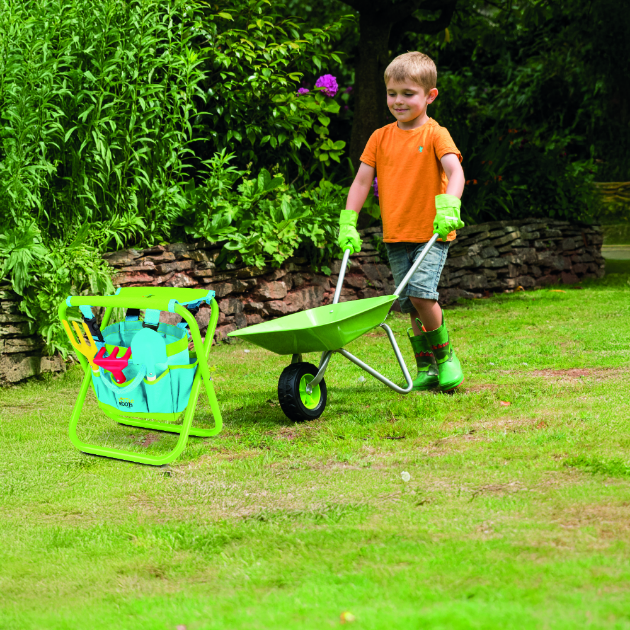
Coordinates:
321	329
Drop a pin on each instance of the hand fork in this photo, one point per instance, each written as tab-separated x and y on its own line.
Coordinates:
87	349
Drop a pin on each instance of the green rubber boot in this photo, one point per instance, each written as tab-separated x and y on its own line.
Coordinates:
427	367
450	370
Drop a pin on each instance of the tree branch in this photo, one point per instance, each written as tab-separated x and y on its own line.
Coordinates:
411	24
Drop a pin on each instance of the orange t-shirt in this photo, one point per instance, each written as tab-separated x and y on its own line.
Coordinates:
410	175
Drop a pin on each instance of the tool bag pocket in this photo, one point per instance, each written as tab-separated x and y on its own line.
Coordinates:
169	393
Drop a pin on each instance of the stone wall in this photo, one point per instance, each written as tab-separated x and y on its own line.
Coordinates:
498	256
20	352
503	255
248	295
492	257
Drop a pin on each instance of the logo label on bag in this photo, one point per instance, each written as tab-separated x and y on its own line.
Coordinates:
125	402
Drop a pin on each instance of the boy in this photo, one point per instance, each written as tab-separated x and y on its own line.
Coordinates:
420	183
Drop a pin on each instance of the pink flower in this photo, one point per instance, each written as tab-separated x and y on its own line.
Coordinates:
302	91
329	83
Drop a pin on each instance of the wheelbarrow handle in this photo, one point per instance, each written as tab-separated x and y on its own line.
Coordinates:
401	287
342	275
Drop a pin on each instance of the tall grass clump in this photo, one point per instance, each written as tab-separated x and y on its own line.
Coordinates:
96	99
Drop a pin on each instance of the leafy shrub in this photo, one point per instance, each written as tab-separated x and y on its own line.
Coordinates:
261	220
96	102
107	107
252	104
512	175
44	277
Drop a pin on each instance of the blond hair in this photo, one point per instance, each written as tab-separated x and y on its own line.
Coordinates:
414	66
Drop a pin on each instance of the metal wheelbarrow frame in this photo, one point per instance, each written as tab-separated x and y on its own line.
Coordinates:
302	390
162	299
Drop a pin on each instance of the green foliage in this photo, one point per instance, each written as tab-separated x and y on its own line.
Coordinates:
516	175
97	100
262	220
44	277
256	61
108	105
19	248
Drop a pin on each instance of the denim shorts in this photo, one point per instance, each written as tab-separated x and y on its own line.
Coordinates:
424	282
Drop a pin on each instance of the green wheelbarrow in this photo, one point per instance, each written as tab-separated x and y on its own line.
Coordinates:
302	389
141	371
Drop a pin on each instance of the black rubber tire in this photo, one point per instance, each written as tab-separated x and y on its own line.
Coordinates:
289	393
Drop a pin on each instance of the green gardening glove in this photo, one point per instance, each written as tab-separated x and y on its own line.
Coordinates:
348	236
447	219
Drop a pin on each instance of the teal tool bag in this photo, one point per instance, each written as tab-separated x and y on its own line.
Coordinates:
162	387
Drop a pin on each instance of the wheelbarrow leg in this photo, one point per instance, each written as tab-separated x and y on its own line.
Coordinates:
378	375
323	365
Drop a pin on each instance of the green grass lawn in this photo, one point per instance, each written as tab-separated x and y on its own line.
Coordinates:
517	513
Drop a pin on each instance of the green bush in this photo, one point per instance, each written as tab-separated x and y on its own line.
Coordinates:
45	276
262	220
97	99
252	74
109	106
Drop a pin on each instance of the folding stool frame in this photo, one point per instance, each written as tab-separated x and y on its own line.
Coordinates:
158	298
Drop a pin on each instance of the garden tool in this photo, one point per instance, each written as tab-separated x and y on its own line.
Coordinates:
449	368
113	363
148	348
427	367
87	349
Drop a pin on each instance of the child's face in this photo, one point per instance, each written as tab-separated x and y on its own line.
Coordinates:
407	100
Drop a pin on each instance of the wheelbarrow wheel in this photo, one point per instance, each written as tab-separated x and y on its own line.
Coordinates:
295	401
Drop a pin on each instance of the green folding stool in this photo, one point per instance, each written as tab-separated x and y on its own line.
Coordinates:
162	381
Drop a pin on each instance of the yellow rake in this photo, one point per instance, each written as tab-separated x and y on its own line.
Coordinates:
87	348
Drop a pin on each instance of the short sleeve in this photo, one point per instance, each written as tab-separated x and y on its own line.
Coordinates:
369	153
444	144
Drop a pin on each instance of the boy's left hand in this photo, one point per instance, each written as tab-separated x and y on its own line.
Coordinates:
447	219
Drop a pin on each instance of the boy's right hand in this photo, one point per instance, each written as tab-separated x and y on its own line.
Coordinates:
348	236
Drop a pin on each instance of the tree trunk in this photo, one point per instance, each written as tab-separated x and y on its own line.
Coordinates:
370	108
